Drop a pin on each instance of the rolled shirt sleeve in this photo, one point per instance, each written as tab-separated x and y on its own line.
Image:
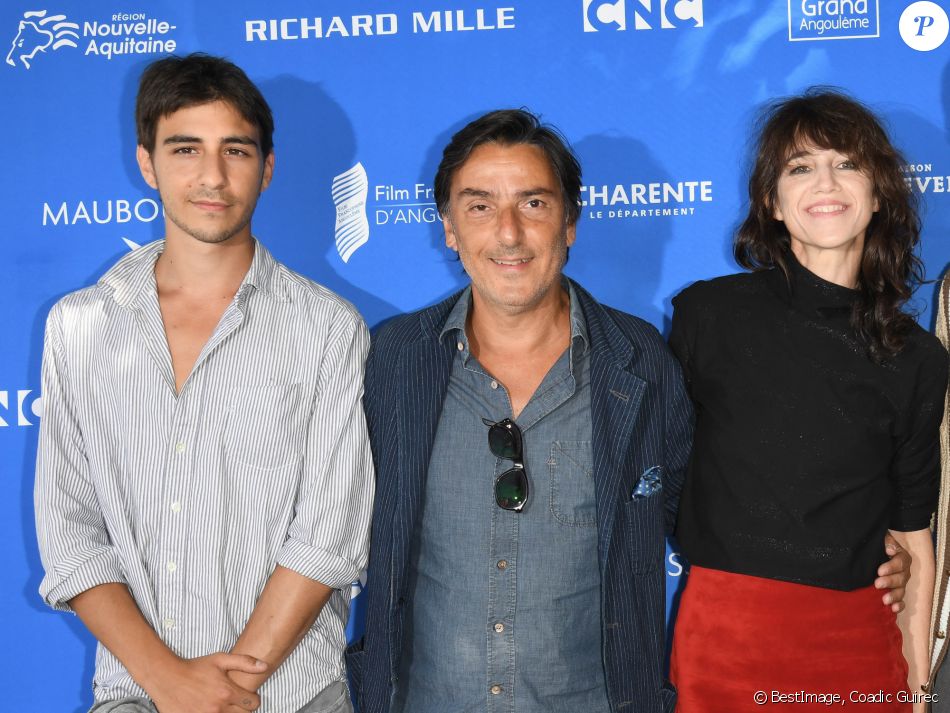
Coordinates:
74	543
328	538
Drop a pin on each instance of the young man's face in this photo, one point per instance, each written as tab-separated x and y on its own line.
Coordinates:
209	172
506	221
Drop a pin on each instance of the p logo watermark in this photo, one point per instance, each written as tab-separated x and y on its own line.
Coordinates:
924	26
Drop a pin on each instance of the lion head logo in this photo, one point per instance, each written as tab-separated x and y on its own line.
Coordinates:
38	32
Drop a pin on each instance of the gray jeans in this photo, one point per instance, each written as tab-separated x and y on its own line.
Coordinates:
942	689
335	698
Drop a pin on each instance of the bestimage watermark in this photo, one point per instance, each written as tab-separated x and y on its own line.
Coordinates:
837	698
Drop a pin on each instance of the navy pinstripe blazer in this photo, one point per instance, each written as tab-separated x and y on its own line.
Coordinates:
641	417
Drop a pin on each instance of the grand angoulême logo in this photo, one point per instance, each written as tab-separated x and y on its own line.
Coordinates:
833	19
349	196
39	32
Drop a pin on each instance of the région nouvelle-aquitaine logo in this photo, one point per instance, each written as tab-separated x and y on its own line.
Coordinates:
119	34
349	196
39	32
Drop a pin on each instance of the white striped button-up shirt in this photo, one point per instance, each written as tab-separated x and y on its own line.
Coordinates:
191	499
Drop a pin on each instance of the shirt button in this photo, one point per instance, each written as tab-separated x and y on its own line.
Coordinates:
941	634
499	627
496	689
502	564
168	623
461	347
494	384
171	566
176	506
180	447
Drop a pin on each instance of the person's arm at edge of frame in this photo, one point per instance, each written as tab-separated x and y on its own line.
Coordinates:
294	594
914	620
916	468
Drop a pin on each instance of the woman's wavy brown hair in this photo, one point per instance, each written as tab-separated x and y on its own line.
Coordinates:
890	269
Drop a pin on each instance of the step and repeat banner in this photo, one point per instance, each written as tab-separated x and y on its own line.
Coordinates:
656	96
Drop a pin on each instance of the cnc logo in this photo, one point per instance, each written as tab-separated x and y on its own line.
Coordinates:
924	26
602	15
349	196
20	408
39	32
833	19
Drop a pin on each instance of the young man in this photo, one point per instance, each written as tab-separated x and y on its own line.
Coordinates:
204	481
530	446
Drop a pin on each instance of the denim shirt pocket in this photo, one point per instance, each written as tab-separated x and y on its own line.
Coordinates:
573	496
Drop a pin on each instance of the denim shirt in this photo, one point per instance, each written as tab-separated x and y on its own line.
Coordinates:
504	607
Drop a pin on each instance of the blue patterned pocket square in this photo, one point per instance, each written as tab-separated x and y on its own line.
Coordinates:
650	483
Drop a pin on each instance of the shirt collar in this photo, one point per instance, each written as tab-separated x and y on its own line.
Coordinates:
135	272
455	322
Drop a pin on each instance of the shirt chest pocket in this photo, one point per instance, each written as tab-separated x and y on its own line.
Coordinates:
573	497
265	426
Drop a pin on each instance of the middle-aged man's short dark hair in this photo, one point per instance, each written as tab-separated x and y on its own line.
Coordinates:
174	83
509	127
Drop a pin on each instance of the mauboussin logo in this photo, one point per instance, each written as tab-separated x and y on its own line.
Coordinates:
833	19
121	33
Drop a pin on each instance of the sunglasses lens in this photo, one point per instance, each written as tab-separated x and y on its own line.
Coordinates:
511	489
503	443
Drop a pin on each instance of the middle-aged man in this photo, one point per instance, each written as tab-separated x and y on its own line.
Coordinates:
204	480
530	446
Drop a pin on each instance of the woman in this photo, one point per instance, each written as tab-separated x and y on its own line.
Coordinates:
818	405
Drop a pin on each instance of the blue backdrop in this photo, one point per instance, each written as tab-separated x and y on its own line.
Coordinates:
656	96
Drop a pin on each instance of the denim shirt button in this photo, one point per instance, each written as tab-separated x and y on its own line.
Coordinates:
494	384
496	689
502	564
499	627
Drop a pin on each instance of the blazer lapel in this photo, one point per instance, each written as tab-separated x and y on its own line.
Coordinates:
615	401
616	394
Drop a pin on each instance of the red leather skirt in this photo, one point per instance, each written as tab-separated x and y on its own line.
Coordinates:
746	643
